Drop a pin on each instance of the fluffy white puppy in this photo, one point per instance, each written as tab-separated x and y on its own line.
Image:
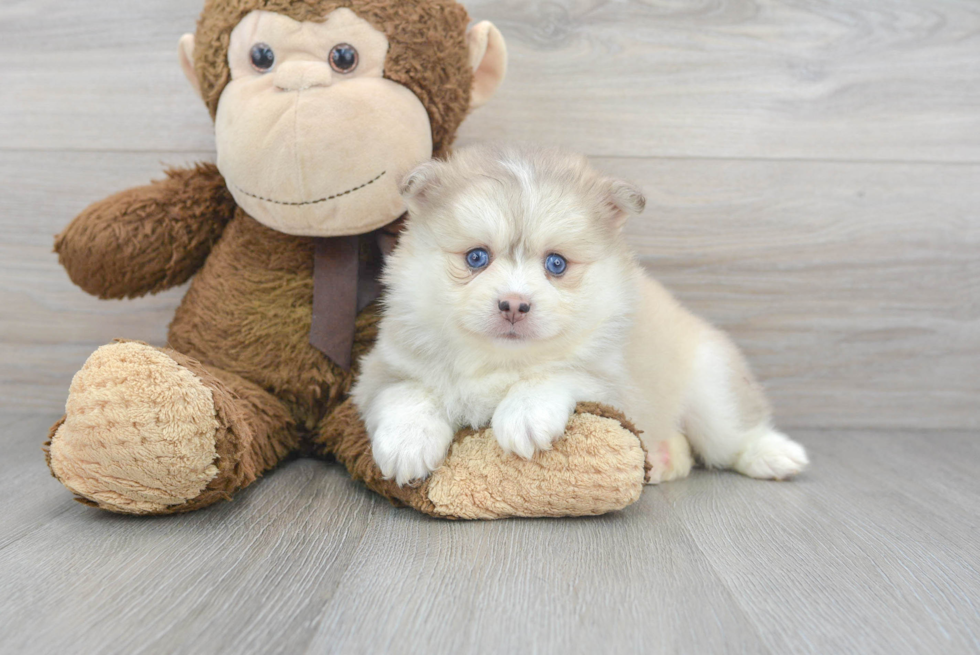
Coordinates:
512	295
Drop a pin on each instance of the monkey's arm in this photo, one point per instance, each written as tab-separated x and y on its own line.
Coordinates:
149	238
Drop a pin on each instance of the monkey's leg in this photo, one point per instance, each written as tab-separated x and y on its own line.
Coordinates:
151	431
597	467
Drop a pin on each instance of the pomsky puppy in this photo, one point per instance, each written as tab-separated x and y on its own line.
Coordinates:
512	296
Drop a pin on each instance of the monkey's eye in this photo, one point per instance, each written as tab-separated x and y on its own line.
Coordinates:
262	57
343	58
556	264
477	258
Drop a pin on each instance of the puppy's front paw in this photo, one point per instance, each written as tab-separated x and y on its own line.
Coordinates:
408	450
524	424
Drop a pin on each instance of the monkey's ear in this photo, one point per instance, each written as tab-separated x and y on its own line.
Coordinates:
488	57
185	51
418	183
623	200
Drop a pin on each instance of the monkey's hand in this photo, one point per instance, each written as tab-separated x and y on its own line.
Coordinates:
149	238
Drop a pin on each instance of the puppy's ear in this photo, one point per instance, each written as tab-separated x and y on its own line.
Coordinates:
623	200
419	183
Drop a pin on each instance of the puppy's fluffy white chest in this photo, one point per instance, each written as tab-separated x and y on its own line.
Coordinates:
468	387
470	399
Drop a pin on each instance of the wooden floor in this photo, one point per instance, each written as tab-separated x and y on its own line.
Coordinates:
876	550
813	174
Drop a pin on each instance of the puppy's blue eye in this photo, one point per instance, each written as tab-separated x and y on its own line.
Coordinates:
477	258
555	264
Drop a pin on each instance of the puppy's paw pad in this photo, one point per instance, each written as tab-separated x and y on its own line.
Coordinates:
668	460
772	456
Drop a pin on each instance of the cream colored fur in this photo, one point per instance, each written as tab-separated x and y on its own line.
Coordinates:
139	435
602	331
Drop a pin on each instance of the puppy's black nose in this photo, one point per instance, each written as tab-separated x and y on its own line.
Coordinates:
514	307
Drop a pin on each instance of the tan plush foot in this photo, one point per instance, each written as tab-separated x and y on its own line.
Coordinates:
139	433
597	467
669	459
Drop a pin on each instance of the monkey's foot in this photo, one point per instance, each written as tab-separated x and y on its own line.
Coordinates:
139	433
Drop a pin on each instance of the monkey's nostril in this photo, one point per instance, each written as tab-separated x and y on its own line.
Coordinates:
525	308
503	305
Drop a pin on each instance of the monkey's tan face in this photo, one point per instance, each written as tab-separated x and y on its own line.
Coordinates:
311	138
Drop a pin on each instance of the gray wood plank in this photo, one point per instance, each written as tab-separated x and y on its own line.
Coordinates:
32	497
837	79
855	556
854	288
87	75
872	551
247	576
626	583
860	79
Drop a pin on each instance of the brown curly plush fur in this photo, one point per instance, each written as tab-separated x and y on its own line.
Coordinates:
149	238
415	30
249	312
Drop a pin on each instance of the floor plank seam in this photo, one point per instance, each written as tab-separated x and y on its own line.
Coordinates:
39	526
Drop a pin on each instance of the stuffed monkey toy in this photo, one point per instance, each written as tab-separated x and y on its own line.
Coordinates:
320	108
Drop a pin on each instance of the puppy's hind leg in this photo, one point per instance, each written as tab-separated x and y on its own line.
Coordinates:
728	419
668	459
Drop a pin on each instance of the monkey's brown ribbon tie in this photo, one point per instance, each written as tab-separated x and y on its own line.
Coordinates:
346	279
335	278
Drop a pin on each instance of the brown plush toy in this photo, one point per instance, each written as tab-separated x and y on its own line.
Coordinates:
320	107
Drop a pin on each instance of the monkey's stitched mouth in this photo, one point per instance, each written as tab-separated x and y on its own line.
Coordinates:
311	202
